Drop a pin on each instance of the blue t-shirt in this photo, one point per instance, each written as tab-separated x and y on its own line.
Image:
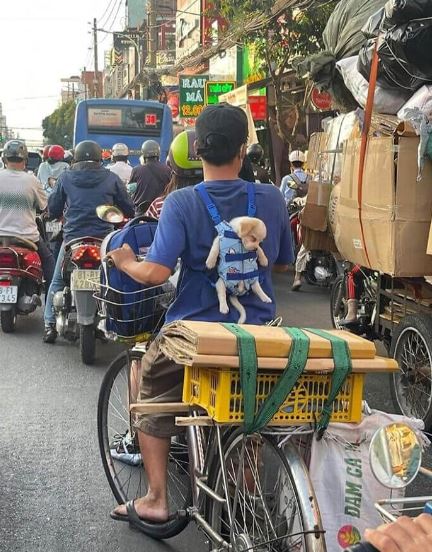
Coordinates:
186	231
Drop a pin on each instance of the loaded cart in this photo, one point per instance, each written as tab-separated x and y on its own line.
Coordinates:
398	312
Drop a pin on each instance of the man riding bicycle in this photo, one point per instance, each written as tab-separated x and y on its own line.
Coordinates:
186	231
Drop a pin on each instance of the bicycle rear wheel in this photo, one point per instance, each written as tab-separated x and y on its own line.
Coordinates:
120	453
271	498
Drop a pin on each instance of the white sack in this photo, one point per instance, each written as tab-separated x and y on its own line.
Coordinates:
386	101
342	477
422	99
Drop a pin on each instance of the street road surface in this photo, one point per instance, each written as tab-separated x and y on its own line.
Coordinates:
54	496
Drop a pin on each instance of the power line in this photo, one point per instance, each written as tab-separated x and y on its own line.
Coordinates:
117	12
106	10
113	7
118	6
28	98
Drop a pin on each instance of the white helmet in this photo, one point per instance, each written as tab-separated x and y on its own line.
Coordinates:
297	155
120	150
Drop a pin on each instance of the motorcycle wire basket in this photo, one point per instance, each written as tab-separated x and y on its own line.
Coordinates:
132	316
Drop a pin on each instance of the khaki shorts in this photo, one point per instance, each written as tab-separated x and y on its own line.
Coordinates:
161	381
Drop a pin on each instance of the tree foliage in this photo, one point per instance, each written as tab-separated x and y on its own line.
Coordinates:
280	41
58	127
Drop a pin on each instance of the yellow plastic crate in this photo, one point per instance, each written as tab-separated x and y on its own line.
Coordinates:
218	391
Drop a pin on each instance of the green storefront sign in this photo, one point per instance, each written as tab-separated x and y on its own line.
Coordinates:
192	95
215	88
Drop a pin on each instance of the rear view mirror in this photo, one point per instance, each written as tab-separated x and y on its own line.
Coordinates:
395	455
110	213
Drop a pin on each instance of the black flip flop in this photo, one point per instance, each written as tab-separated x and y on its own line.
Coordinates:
119	517
134	519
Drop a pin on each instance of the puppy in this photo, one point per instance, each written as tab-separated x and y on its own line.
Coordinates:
251	232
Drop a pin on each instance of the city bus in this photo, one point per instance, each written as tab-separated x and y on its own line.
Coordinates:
108	121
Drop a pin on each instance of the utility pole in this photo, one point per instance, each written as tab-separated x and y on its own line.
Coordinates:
95	49
85	82
152	33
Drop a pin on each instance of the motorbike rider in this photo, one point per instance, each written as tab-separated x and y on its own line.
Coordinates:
294	187
186	231
296	183
21	196
255	153
52	168
45	152
77	194
68	157
151	177
186	169
120	164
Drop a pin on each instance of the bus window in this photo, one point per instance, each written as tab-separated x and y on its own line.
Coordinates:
107	121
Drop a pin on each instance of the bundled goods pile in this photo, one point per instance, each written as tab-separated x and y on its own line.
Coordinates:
373	185
212	354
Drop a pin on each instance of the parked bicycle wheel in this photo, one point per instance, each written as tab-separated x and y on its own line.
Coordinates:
271	499
411	387
120	452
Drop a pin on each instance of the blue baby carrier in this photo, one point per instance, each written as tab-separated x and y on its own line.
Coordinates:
132	310
236	264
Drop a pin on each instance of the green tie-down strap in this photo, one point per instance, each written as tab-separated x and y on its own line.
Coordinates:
248	363
248	375
342	369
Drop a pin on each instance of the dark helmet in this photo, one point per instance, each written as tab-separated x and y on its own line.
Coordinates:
182	158
15	148
255	153
88	151
150	149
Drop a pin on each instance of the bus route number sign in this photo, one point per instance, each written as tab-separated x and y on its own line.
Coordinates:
151	119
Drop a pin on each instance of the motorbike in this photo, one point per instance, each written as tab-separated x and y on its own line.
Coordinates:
321	268
21	280
75	308
53	228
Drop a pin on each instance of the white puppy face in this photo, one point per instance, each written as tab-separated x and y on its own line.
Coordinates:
251	231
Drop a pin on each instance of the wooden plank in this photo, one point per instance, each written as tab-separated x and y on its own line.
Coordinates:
364	366
189	337
196	421
158	408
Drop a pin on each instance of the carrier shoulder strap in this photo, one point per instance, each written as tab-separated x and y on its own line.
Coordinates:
212	209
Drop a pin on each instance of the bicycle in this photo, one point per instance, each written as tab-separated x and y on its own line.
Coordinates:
244	491
208	465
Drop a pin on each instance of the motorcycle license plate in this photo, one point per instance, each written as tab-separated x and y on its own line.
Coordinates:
53	226
8	294
83	280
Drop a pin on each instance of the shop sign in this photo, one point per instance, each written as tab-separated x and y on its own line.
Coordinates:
223	66
258	105
214	89
321	100
238	96
192	95
252	65
165	57
188	27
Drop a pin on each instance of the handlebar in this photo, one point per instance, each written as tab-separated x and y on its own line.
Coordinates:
109	262
361	547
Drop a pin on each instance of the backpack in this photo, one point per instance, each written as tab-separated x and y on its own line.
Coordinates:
235	264
131	309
